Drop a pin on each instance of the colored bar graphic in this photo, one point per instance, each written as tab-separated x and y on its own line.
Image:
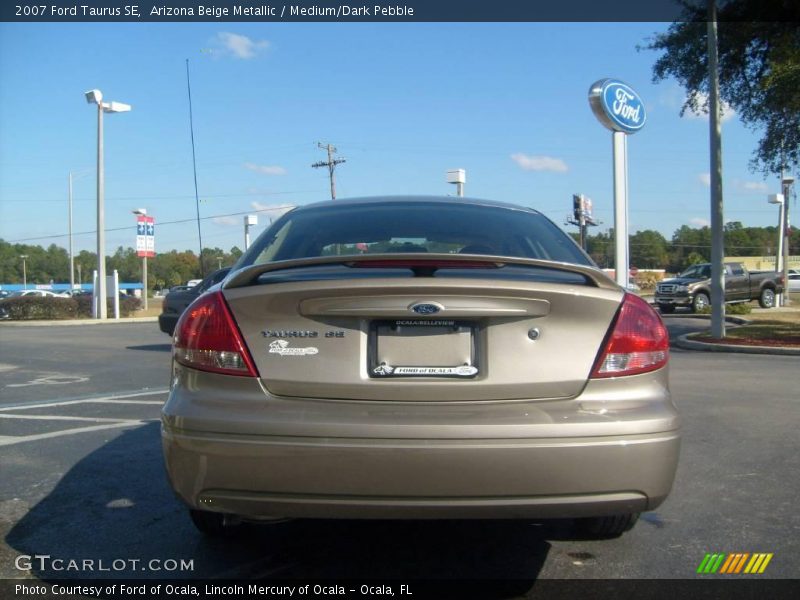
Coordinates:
703	563
766	562
727	565
734	564
740	564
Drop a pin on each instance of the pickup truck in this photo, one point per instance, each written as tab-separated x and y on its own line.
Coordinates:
692	288
176	301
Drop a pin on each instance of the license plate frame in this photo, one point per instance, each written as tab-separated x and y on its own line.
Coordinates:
393	346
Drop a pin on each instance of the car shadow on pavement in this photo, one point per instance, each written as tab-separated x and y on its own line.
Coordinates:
151	347
115	508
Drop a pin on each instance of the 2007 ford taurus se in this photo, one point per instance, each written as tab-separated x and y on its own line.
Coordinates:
419	358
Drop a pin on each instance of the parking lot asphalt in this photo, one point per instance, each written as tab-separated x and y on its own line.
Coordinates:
83	479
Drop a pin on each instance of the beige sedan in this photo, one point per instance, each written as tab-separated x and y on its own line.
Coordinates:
419	358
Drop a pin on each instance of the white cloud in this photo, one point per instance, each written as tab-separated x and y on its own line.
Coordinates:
265	169
227	221
239	46
539	163
698	222
702	100
759	187
705	179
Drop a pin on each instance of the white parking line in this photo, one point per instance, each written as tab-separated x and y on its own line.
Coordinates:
113	399
65	418
8	440
102	422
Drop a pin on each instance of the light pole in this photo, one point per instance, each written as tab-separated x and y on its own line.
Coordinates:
219	262
787	181
24	271
96	97
779	200
143	212
459	178
249	221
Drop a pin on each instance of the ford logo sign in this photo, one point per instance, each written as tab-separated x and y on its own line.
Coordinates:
617	106
426	309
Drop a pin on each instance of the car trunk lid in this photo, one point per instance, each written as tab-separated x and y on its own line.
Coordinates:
481	331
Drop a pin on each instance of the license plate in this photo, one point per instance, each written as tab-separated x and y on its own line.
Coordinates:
422	348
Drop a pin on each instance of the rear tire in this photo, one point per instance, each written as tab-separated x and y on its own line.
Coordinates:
767	298
666	309
700	301
602	528
213	524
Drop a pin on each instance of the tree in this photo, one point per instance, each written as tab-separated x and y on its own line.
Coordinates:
127	264
759	70
648	249
689	246
601	248
235	253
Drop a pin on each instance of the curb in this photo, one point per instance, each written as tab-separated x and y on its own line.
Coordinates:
734	320
75	322
686	344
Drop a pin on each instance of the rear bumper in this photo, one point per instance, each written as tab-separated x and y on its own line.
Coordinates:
261	456
397	479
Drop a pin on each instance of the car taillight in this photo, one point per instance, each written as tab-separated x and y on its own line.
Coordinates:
638	342
207	338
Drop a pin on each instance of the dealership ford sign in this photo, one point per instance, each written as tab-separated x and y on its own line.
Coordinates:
617	106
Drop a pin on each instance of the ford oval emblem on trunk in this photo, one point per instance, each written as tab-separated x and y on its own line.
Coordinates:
426	309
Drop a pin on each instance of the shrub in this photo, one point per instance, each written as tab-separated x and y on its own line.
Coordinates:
127	306
27	308
39	307
647	280
741	308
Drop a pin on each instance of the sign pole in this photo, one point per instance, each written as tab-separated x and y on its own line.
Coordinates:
621	260
144	281
619	108
145	245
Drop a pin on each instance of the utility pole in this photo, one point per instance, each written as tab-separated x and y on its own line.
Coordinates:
331	164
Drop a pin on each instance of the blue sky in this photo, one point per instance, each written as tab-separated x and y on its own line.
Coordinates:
403	103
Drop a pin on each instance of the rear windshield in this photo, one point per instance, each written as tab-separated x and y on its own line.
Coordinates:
417	227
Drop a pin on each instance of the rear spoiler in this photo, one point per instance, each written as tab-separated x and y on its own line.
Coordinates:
425	263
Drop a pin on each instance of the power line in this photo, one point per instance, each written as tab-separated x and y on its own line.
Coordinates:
171	197
161	224
194	168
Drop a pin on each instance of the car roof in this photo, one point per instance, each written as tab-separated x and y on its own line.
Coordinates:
447	200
